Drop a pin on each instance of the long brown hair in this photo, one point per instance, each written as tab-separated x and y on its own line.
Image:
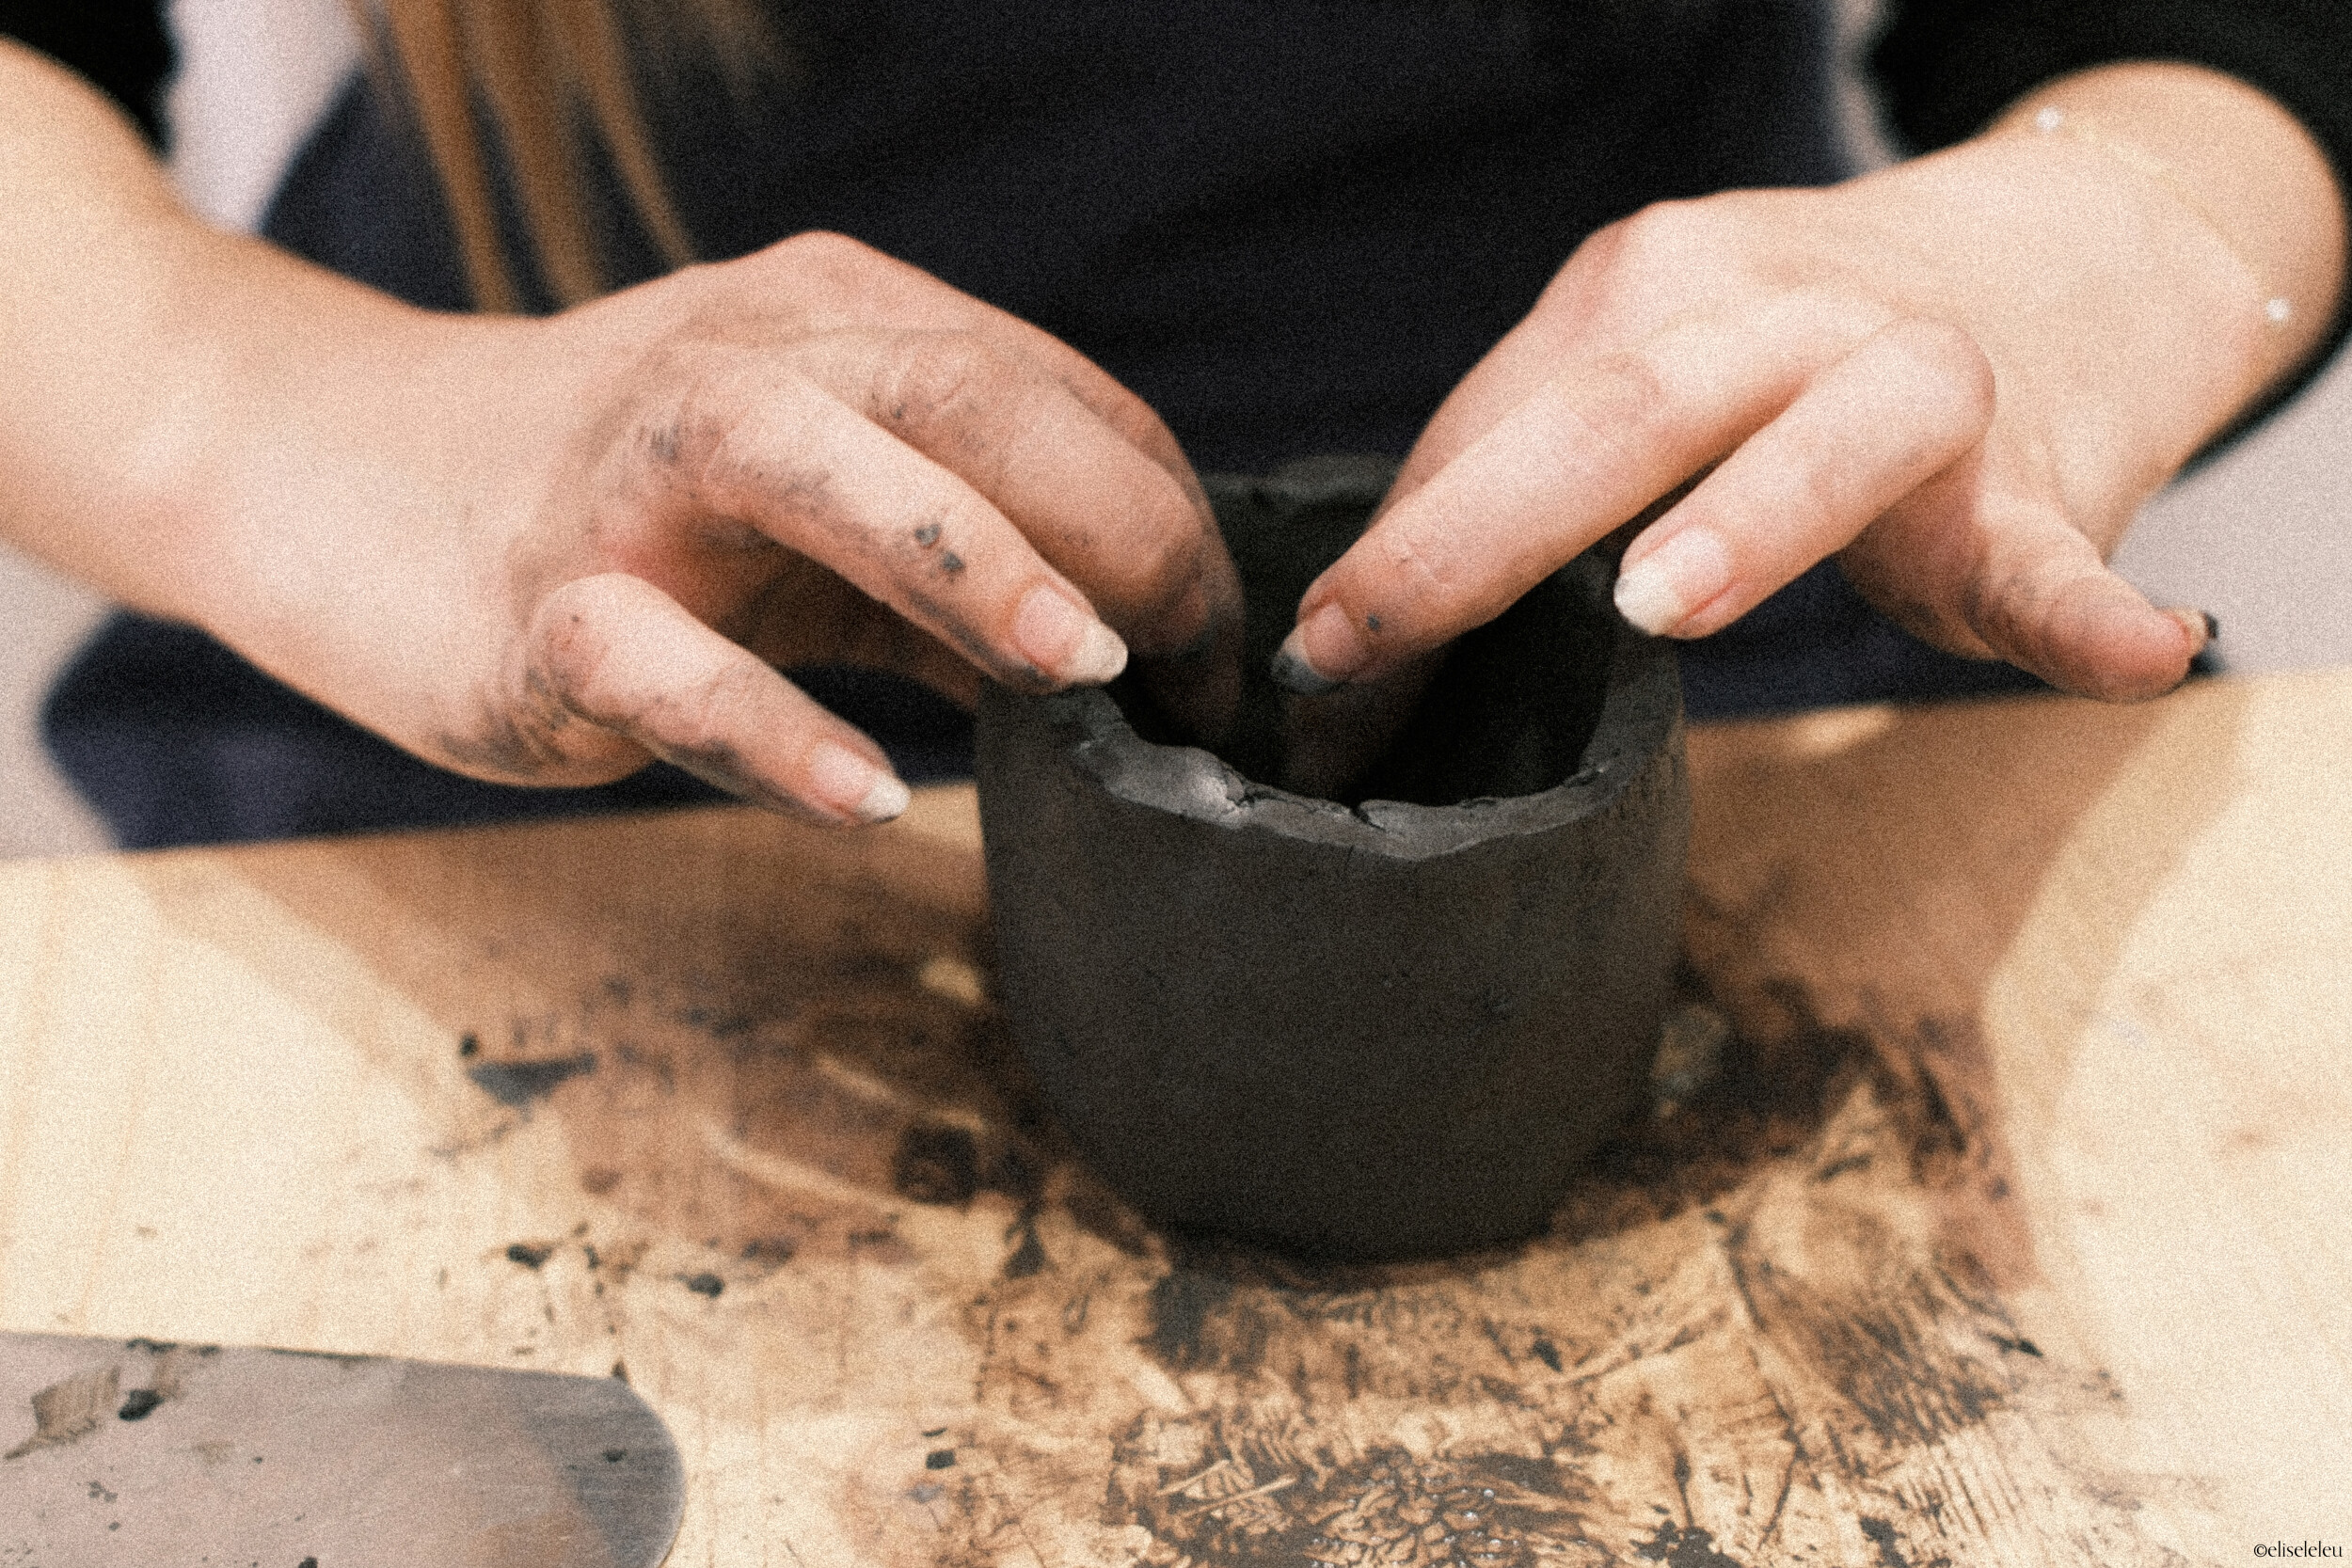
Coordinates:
544	77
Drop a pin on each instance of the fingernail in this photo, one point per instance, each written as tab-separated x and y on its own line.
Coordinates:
1665	587
1321	653
1065	641
851	784
2199	625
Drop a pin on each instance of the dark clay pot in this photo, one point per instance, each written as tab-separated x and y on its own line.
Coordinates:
1364	1031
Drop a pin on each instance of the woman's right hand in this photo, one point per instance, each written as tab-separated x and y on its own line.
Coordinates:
541	551
634	514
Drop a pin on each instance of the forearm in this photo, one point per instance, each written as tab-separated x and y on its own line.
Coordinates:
152	362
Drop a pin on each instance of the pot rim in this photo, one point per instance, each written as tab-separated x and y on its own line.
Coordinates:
1191	782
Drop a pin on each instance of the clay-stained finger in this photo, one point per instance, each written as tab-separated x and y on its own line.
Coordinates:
1909	402
768	445
620	653
1101	511
1077	460
1137	537
1593	447
872	289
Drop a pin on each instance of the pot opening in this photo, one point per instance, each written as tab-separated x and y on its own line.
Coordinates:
1509	709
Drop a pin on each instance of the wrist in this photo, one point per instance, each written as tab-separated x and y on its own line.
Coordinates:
2232	160
317	493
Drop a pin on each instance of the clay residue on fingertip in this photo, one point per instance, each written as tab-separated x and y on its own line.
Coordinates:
2199	625
1290	671
935	618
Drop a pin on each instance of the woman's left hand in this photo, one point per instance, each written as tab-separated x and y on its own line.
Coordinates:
1962	377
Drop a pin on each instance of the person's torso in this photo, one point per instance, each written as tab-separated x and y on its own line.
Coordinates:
1290	226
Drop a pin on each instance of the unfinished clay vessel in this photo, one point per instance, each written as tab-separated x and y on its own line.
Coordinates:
1352	1031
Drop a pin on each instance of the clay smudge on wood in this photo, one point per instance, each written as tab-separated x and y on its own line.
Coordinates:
1677	1547
768	1252
1028	1254
516	1085
1880	1533
70	1410
1258	1506
936	1164
1669	1367
1716	1358
790	1109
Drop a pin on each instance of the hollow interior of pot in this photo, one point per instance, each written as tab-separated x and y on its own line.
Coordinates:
1509	711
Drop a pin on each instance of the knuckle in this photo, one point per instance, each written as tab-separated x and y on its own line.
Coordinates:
1623	399
1813	486
1631	389
928	377
824	252
1621	266
1950	357
1665	235
1417	581
820	280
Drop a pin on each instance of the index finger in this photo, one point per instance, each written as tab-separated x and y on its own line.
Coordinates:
1589	447
1135	538
1171	590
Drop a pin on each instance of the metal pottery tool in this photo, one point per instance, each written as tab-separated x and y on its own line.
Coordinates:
127	1453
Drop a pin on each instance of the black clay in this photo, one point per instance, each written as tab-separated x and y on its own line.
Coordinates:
1351	1032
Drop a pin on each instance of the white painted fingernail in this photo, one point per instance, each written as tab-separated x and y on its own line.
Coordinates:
1062	639
1663	590
1100	658
849	783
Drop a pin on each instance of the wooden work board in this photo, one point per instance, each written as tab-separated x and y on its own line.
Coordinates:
2004	1226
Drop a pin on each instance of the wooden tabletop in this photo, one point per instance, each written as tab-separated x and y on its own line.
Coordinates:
2008	1226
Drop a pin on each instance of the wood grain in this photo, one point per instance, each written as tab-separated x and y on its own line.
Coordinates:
2007	1228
